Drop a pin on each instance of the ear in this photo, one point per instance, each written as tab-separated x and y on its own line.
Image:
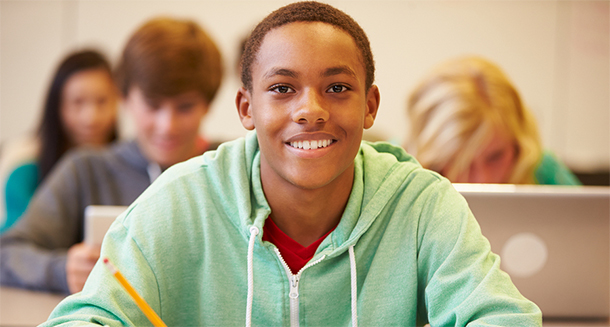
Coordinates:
244	109
372	104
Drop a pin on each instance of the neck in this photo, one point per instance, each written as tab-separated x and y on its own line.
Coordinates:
306	215
201	145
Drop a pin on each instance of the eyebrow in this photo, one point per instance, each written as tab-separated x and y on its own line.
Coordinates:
332	71
339	70
281	72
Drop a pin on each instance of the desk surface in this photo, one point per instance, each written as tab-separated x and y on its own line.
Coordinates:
25	308
576	323
20	308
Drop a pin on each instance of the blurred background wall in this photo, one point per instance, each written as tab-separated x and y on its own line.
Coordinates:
556	52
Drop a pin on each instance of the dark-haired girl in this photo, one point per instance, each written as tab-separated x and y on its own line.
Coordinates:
80	109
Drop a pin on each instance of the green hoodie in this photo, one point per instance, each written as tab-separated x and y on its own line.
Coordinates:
419	255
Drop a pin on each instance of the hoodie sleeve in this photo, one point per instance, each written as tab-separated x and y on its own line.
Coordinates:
462	283
33	252
103	300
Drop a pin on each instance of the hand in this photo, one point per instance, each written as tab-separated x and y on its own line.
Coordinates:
79	263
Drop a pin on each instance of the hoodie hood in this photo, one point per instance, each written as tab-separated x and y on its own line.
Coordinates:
130	152
369	195
376	183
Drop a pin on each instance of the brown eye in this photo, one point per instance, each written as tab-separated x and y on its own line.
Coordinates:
282	89
337	88
497	156
78	102
185	107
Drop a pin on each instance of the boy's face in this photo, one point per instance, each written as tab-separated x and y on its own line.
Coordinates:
308	104
167	129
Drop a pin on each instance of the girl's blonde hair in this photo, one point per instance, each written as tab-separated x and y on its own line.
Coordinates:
455	110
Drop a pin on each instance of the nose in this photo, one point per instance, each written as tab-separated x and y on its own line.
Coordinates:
311	109
165	121
90	113
480	174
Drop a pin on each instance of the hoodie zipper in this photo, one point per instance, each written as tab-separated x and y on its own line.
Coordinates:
294	287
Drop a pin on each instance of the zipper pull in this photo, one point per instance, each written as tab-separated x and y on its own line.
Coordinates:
295	280
294	286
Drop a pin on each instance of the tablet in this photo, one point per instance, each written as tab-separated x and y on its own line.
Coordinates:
98	219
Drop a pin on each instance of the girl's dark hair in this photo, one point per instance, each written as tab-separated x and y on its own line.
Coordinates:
54	141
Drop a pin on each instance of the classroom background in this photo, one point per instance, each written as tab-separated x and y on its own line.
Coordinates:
556	53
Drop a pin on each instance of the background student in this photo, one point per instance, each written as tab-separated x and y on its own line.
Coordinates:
301	223
168	74
80	110
468	122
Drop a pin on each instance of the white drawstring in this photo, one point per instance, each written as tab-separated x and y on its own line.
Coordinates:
354	278
253	232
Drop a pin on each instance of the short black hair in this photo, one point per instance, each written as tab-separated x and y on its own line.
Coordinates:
307	11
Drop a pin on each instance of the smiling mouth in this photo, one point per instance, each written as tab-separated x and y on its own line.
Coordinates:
311	145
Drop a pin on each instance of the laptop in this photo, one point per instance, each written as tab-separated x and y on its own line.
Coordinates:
554	242
98	219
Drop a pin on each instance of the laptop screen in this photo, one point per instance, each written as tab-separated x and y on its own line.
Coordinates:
554	242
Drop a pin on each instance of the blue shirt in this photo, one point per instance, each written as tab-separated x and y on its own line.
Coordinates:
18	190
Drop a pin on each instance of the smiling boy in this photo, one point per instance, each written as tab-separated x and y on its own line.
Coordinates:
301	223
309	112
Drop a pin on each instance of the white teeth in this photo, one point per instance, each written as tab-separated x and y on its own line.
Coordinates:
306	145
311	145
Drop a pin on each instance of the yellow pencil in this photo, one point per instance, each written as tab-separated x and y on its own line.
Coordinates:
148	311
